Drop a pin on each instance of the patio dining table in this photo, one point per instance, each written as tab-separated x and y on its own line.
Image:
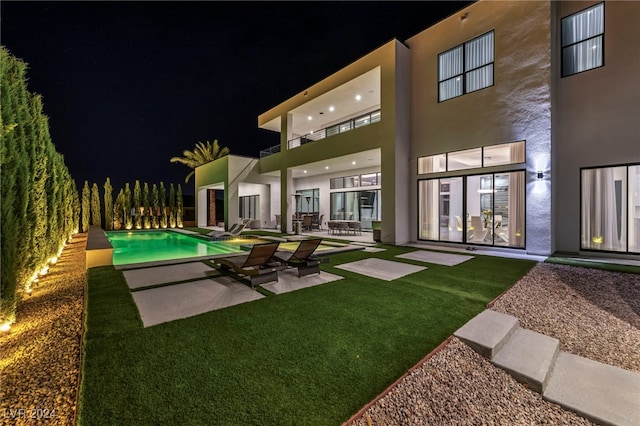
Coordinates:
344	226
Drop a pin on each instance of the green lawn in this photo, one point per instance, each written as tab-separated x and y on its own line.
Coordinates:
314	356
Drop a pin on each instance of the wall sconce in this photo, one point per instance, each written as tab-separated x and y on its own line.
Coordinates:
464	16
540	175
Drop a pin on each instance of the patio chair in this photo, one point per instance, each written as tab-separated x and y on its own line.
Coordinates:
306	222
302	258
355	227
258	266
219	235
235	229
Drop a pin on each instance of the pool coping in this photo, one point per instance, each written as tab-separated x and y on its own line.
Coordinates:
99	250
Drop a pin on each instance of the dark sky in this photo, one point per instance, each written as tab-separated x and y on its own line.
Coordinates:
128	85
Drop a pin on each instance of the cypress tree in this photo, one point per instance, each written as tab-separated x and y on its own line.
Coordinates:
96	217
163	206
39	163
172	206
128	222
137	203
179	207
108	205
146	220
37	204
155	207
118	211
76	208
86	210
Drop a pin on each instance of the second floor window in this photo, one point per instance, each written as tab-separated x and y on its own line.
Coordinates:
583	40
466	68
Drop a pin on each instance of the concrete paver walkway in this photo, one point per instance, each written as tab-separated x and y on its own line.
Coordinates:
603	393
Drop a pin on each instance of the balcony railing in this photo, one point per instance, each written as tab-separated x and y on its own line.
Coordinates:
273	150
336	129
345	126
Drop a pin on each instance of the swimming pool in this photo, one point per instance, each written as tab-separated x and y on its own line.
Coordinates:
153	246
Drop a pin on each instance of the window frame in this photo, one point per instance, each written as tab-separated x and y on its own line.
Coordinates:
466	71
563	47
628	217
483	160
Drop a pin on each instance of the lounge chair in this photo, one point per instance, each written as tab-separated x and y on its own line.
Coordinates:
302	258
234	231
259	265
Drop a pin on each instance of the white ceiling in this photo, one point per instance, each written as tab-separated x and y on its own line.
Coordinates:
342	99
370	158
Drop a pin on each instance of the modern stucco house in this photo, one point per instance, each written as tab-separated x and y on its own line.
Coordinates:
513	125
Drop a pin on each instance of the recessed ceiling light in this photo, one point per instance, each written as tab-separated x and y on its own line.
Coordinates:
326	167
358	97
332	108
353	162
304	171
309	118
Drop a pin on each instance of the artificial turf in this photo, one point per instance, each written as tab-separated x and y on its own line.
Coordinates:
314	356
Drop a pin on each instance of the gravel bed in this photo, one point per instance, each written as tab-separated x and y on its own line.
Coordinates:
457	386
594	314
41	355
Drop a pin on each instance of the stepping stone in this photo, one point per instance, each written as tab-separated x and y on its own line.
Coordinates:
528	356
488	331
600	392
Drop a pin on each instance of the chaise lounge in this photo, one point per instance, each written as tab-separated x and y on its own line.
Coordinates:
234	231
258	266
302	258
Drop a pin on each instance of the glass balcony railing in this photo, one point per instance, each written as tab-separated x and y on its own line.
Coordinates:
273	150
336	129
345	126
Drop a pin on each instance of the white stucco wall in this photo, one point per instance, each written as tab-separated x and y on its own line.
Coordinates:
597	112
517	107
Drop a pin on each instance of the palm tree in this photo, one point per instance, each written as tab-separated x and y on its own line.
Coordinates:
202	154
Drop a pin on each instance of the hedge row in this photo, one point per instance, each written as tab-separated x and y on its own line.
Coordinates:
40	204
146	209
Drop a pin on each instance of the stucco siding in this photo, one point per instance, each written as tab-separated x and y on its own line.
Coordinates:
517	106
597	114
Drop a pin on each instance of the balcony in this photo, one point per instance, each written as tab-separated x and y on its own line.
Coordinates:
345	126
336	129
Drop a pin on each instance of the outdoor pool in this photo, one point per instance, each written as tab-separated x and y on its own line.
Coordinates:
153	246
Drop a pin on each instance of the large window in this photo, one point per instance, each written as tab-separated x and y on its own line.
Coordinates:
583	40
249	207
483	209
492	155
309	201
466	68
610	209
363	206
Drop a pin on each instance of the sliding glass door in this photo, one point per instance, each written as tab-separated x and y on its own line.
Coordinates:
483	209
363	206
610	209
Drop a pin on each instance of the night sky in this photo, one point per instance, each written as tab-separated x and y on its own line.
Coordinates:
128	85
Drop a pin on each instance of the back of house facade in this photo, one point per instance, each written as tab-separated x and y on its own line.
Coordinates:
510	125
